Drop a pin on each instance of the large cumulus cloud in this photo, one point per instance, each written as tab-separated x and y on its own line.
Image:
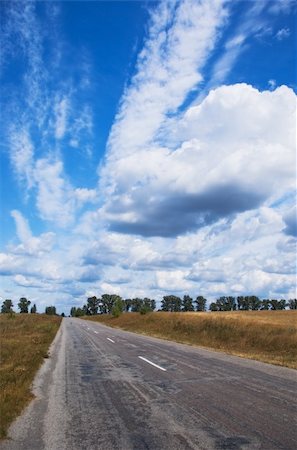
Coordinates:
234	152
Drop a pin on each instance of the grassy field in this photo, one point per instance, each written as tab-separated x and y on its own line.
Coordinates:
25	339
269	336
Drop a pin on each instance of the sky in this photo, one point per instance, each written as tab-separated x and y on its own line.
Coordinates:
147	148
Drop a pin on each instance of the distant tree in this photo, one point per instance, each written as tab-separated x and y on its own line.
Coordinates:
33	309
73	311
23	305
127	304
148	305
171	303
107	301
7	306
63	314
254	302
136	304
92	306
265	304
242	303
213	306
50	310
226	304
292	303
117	307
200	303
277	304
187	303
79	312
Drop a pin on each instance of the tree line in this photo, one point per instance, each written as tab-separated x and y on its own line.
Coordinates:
23	306
114	304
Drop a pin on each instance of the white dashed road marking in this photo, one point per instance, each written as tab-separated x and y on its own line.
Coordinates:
153	364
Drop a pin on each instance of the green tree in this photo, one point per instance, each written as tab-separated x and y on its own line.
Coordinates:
50	310
277	304
107	302
92	306
149	303
292	303
187	303
117	307
23	305
265	305
213	306
171	303
7	306
79	312
136	304
73	311
242	303
33	309
128	304
200	303
226	304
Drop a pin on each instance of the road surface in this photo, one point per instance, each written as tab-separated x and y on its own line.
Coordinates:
104	388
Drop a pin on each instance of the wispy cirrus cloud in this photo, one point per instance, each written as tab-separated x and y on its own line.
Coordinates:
43	112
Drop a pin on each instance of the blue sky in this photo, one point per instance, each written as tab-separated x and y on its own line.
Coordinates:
147	148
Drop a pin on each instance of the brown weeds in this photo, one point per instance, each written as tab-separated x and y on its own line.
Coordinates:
24	340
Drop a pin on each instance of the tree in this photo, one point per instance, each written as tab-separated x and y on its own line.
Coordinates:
201	303
148	305
265	305
7	306
73	311
50	310
107	302
117	308
33	309
92	306
226	304
136	304
171	303
242	303
128	304
292	303
187	303
213	306
277	304
23	305
254	302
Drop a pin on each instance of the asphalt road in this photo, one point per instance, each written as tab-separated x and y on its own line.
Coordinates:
104	388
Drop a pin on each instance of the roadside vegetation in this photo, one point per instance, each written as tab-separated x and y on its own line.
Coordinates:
268	336
25	339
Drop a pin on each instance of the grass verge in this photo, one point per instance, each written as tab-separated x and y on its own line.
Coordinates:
25	339
268	336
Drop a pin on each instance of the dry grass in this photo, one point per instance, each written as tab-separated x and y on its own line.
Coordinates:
25	339
269	336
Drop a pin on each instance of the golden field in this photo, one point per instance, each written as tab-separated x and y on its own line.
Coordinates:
268	336
25	339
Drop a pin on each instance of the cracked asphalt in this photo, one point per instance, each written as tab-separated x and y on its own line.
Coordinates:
105	388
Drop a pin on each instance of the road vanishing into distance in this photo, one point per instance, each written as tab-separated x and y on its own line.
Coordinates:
104	388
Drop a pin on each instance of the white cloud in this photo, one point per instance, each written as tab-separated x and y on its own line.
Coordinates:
55	201
283	33
167	69
61	112
172	281
236	130
22	155
23	229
